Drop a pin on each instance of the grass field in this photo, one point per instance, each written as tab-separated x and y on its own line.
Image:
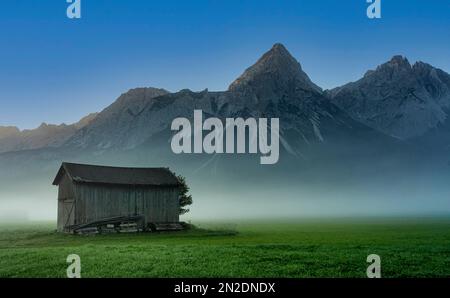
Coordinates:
308	248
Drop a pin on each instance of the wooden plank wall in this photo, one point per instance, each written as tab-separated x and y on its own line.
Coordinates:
157	204
66	197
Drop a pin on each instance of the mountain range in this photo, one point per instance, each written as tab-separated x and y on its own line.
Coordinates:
46	135
396	99
362	130
275	86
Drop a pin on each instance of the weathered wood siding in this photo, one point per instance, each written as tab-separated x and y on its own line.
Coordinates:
66	199
156	204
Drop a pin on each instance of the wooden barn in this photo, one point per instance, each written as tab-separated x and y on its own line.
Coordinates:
100	198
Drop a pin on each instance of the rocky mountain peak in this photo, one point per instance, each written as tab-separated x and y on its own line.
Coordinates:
399	61
278	52
421	65
397	66
141	94
279	69
399	99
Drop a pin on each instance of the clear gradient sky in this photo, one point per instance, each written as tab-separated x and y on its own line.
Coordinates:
57	70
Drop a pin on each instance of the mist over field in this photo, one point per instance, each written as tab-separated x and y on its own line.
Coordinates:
222	190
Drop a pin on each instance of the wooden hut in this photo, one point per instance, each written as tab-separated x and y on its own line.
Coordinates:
100	197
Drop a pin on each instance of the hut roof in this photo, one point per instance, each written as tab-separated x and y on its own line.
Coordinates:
83	173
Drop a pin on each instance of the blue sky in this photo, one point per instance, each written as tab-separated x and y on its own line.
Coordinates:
57	70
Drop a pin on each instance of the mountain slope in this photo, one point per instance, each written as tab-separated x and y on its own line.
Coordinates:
118	123
46	135
8	131
399	99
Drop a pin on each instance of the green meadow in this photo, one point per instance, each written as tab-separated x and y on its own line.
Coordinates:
408	247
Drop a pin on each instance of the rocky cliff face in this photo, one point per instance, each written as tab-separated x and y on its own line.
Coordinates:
398	99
